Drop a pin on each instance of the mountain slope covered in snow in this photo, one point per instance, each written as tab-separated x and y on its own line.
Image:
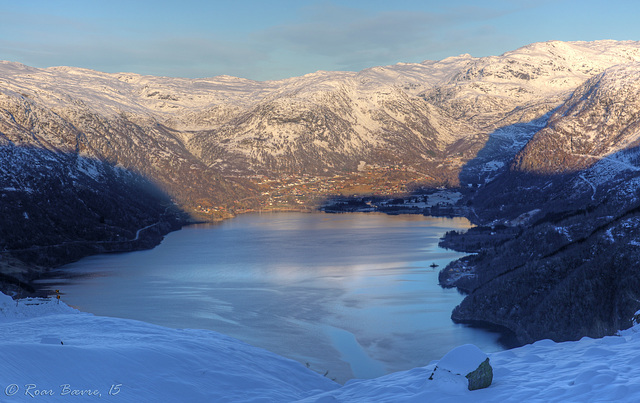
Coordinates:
601	119
203	140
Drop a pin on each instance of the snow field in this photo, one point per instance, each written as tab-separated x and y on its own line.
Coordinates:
51	352
589	370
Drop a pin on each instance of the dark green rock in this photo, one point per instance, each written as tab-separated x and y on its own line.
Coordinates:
482	377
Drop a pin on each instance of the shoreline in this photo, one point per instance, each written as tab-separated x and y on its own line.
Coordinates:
37	282
18	277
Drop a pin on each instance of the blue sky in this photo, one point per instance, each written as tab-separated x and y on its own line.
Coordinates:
274	39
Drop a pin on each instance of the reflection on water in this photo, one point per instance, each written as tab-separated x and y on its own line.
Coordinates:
352	294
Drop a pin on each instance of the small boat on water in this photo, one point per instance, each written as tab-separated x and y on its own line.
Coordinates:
433	265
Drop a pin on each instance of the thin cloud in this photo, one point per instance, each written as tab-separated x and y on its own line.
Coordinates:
322	36
170	56
355	37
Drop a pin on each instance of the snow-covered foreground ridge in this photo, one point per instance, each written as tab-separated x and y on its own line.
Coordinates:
51	352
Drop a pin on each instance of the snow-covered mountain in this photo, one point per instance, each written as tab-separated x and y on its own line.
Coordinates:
600	120
198	138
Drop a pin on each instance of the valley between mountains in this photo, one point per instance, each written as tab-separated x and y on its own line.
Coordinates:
538	145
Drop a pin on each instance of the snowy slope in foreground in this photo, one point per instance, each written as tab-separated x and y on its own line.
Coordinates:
589	370
53	349
50	345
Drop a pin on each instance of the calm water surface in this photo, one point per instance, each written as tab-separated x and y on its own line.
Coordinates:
352	294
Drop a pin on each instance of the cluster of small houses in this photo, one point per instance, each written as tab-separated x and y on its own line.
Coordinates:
417	204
